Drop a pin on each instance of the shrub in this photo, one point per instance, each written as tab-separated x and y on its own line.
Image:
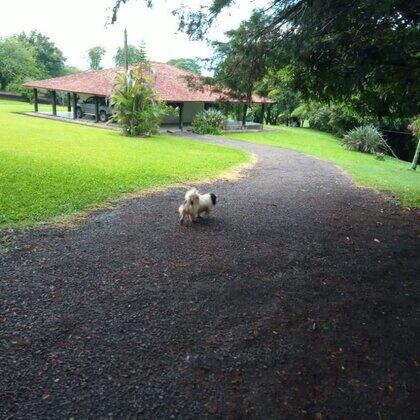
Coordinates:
334	119
364	139
320	119
341	121
210	121
134	102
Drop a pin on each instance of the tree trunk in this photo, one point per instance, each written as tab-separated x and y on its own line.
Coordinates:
416	155
244	115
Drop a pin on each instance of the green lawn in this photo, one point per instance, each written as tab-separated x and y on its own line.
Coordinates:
50	168
388	175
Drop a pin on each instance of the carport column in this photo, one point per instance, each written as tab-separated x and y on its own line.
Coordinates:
74	106
54	102
36	100
96	109
69	102
181	116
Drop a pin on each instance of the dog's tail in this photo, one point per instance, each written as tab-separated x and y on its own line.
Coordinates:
213	198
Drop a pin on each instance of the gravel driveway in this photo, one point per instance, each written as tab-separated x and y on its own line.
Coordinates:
299	297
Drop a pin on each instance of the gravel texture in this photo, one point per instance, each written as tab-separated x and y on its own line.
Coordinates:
298	297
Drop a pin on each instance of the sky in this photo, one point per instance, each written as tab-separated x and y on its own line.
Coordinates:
77	25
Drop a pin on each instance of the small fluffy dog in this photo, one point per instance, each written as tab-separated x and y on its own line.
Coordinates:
195	204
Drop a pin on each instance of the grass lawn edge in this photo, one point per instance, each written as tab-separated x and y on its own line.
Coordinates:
387	194
74	219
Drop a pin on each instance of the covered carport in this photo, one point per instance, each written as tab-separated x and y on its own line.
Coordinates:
92	83
172	85
71	102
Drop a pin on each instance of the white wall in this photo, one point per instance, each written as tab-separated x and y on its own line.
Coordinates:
190	111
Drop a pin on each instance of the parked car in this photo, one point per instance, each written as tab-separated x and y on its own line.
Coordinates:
87	107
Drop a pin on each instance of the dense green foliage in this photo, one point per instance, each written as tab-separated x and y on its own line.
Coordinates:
95	55
186	64
17	63
25	57
50	169
363	53
50	60
210	121
135	106
134	55
365	139
241	62
390	174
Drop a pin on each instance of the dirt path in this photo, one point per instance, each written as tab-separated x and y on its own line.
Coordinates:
298	297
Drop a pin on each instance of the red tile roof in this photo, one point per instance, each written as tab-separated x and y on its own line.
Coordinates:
171	84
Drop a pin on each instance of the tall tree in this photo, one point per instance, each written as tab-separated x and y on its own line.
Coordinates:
17	62
49	58
135	55
95	55
186	64
240	62
362	52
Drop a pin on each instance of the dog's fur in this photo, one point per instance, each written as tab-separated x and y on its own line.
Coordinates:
195	204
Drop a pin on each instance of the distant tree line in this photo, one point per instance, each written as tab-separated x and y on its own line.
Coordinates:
29	56
137	55
34	56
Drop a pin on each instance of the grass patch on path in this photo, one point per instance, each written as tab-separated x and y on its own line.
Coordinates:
389	175
50	168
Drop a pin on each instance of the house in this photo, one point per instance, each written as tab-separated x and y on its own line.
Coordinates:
172	85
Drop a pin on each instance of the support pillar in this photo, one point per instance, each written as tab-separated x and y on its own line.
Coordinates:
244	115
54	103
74	106
96	109
36	100
69	102
181	116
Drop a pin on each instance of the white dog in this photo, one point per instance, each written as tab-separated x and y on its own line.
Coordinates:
195	204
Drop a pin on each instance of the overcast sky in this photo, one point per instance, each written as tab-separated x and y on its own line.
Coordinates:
77	25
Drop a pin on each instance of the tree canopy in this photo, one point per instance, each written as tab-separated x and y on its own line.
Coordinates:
134	54
362	52
242	61
18	61
186	64
50	60
95	55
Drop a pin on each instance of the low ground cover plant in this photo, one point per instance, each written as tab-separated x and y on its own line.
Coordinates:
366	138
210	121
